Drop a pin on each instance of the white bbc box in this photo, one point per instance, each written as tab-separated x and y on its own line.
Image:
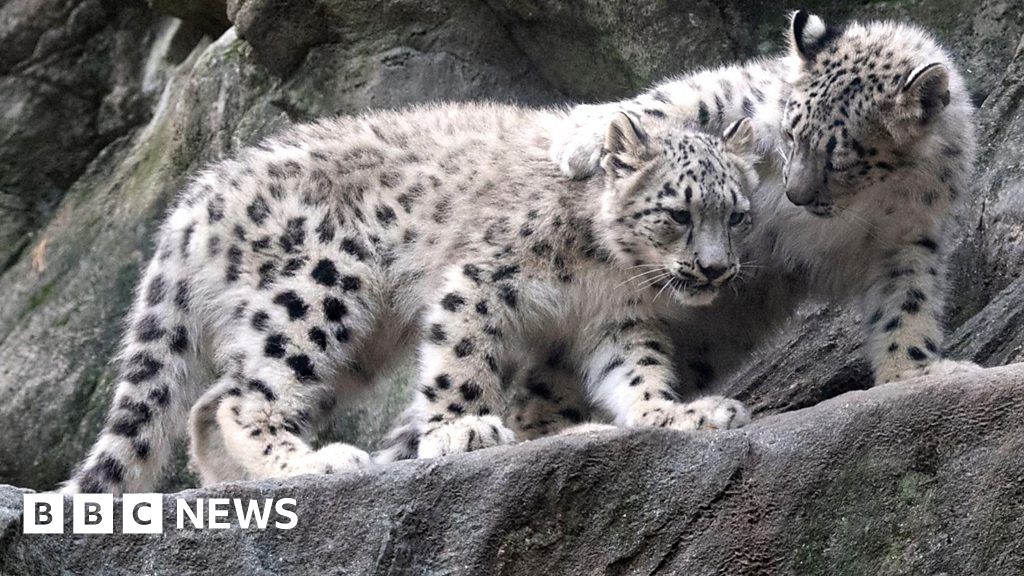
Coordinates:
92	514
142	514
43	514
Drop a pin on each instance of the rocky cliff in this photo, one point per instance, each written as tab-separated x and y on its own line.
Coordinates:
109	105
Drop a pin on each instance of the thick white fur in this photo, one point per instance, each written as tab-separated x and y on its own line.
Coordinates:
292	277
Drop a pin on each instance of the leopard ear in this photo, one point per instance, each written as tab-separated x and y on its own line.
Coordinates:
626	147
739	139
807	34
925	92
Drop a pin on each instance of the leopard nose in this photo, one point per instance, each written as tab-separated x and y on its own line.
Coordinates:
712	272
801	196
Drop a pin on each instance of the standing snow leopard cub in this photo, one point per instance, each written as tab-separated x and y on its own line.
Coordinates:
306	267
869	135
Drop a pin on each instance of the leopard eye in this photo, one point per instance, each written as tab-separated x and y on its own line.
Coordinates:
681	216
737	218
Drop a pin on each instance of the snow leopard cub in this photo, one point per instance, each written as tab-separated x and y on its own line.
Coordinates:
869	133
305	268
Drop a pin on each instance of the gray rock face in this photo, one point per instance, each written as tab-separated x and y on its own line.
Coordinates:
920	477
66	92
211	16
108	107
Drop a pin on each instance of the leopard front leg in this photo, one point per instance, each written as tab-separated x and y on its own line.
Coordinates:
548	399
577	139
903	308
460	394
631	375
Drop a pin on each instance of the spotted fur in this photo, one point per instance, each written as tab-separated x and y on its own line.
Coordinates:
868	133
305	268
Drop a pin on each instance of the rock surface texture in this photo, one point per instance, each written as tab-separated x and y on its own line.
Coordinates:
108	106
923	477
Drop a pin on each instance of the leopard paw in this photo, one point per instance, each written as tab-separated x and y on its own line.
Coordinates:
586	428
331	459
942	367
708	413
576	141
464	434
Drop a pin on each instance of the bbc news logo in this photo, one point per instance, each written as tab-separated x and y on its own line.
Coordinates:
144	514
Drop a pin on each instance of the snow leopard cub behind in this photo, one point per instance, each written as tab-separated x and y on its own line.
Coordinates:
306	267
869	134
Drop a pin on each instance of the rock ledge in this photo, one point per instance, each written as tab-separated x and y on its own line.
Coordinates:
918	477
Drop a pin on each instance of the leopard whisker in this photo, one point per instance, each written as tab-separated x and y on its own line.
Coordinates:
640	275
652	281
667	284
